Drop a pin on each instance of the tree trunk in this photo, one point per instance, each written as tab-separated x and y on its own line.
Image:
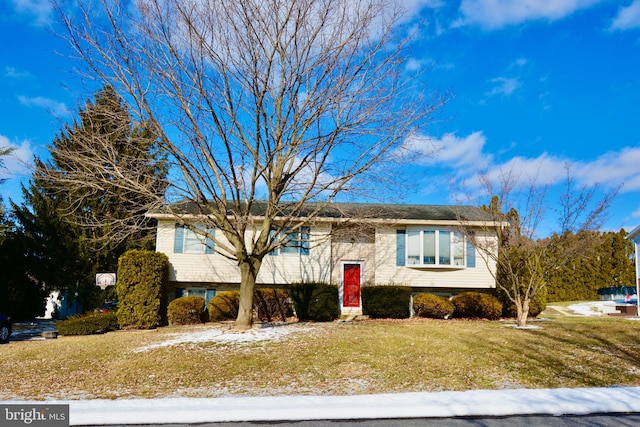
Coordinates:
248	272
523	312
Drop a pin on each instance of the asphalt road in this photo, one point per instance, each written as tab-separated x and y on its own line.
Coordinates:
594	420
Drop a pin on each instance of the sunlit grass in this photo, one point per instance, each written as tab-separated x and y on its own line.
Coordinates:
334	358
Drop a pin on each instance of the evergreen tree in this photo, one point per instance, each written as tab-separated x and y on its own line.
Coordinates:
605	262
22	297
65	252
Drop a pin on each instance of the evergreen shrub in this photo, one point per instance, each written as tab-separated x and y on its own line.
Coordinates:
432	306
187	310
88	324
477	305
315	301
142	289
386	301
224	306
270	303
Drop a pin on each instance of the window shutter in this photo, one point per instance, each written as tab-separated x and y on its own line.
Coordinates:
178	240
471	255
304	240
401	239
209	243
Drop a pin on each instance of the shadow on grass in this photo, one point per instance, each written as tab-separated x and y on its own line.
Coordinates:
575	352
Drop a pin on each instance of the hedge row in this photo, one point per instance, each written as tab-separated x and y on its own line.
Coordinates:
311	301
88	324
465	305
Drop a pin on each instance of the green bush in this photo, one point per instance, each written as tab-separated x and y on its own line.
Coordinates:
224	306
477	305
432	306
88	324
186	311
388	301
269	303
142	289
315	301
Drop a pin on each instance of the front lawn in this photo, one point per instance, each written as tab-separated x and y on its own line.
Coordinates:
334	358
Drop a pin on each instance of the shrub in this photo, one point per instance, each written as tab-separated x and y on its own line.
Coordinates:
269	303
477	305
224	306
142	289
88	324
388	301
186	311
432	306
315	301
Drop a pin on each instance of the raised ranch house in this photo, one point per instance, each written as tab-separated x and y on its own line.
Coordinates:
426	247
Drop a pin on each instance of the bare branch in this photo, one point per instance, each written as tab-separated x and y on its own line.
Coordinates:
287	102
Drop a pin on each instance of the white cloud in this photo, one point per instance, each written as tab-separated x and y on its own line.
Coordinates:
612	169
14	73
450	150
467	155
504	86
628	17
414	64
19	161
56	108
38	11
539	171
495	14
521	62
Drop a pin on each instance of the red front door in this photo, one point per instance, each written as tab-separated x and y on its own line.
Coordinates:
351	284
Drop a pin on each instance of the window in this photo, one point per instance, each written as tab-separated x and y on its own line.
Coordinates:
297	242
434	247
205	293
187	240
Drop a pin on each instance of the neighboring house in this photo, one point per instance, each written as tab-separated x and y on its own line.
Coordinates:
421	246
634	236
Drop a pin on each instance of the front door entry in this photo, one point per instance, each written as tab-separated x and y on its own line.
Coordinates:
351	285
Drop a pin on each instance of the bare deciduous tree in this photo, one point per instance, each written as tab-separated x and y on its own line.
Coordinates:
4	151
283	101
524	259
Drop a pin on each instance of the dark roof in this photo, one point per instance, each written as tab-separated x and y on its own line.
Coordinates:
356	210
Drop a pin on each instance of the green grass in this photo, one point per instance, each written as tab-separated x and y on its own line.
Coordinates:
334	358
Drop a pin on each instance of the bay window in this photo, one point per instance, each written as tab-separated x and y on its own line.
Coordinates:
435	247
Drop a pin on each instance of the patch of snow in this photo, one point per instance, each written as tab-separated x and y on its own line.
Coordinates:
562	401
222	334
596	308
527	326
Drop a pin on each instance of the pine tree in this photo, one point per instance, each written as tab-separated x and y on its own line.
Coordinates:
66	250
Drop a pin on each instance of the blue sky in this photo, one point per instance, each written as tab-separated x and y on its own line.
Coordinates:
537	84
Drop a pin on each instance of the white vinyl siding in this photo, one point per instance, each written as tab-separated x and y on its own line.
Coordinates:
219	268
